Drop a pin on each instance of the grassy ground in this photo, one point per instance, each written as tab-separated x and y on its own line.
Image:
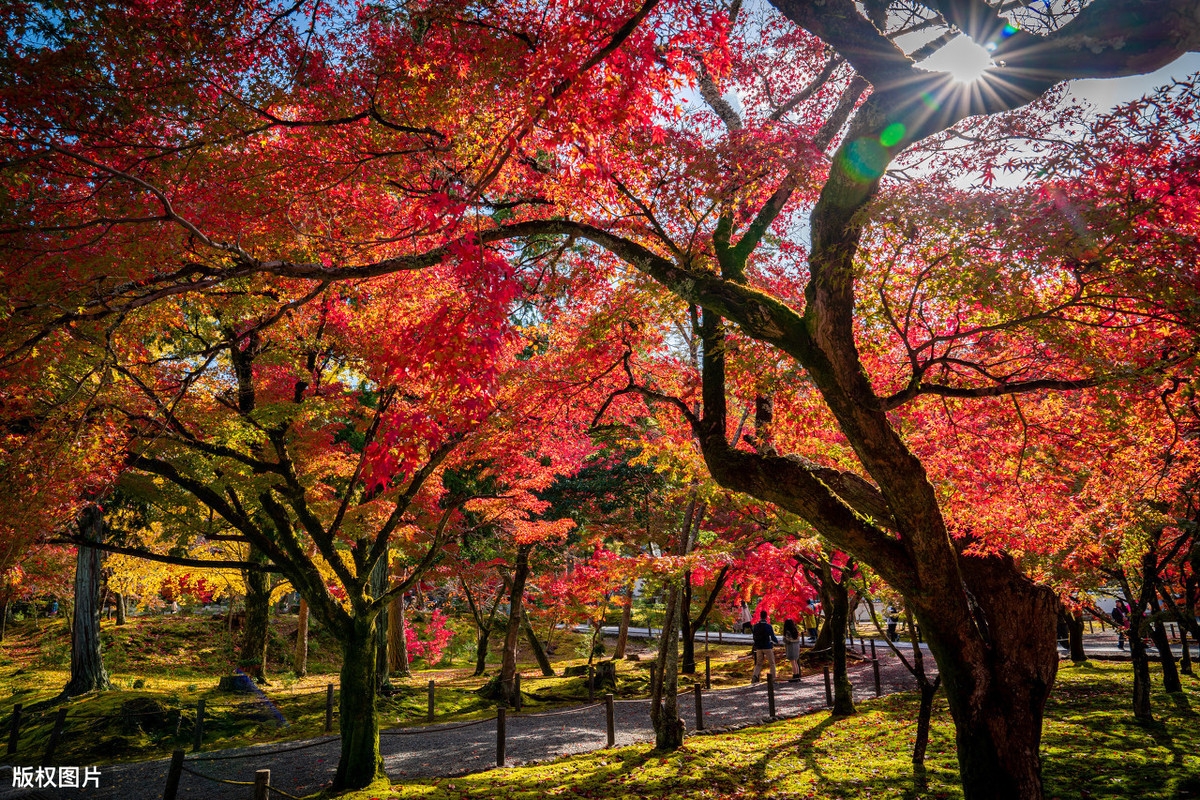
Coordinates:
160	666
1092	749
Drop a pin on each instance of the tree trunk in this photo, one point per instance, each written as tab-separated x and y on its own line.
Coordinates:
379	582
4	621
508	664
687	631
1075	636
360	763
87	665
481	651
1141	676
835	595
623	632
397	644
1185	659
121	609
664	711
253	656
924	717
997	666
300	653
535	645
1170	671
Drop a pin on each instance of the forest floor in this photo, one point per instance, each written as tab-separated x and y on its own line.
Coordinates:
162	665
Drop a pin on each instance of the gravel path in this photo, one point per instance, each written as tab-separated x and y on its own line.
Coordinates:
454	749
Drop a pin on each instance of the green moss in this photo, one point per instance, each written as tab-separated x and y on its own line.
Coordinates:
1091	749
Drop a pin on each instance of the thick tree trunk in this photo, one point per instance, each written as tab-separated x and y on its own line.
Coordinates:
253	656
623	632
535	645
997	667
87	665
508	664
1075	636
397	644
664	710
360	763
300	653
121	609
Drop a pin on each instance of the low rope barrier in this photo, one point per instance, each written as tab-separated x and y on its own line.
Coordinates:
217	780
426	729
257	753
571	710
282	792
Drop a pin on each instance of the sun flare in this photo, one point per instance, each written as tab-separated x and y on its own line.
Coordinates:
965	60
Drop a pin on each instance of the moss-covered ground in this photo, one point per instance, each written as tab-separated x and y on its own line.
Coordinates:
161	666
1092	749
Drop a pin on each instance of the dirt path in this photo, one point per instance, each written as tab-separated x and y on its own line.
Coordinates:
455	749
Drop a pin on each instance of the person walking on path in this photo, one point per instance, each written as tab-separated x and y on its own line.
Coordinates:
1120	618
764	646
791	641
745	621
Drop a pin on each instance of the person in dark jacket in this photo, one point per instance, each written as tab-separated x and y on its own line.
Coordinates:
764	646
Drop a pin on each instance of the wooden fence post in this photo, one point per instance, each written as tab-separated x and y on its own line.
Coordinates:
173	774
198	732
771	695
828	689
610	719
60	720
591	679
699	708
14	729
873	650
329	708
500	733
262	783
653	676
517	692
875	668
1090	628
429	714
707	672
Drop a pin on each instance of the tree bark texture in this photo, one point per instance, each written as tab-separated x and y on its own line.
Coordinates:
121	608
87	665
508	664
535	645
835	596
300	653
379	584
253	656
360	763
1158	633
664	707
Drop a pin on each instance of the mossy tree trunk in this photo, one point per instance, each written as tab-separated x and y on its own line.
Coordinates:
121	610
360	763
664	709
379	585
87	664
1158	633
300	653
252	659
